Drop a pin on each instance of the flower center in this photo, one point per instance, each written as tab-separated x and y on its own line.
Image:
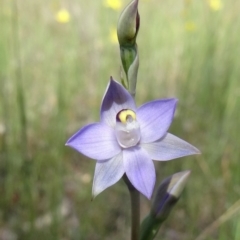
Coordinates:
127	128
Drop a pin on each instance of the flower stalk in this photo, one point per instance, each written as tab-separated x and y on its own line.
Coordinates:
127	30
135	209
130	62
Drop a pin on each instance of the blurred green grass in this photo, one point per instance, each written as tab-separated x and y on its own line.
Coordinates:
54	75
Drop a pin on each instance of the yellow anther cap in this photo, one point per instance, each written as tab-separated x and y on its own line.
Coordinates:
126	115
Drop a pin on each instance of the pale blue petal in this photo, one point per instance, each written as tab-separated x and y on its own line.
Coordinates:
169	147
155	118
115	99
96	141
140	170
107	173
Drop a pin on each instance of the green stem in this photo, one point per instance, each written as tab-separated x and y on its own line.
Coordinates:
135	203
19	80
149	228
135	209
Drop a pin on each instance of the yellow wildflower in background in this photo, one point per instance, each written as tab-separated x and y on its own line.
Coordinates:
114	4
113	35
63	16
215	5
190	26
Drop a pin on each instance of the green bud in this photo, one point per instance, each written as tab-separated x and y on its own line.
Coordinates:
167	195
128	25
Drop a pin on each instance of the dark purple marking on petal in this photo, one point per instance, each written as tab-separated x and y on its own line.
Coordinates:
115	99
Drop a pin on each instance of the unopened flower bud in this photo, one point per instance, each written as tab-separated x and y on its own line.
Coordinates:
128	25
167	195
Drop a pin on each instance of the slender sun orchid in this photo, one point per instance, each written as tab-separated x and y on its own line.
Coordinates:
127	138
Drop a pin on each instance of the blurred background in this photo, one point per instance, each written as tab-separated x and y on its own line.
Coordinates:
56	57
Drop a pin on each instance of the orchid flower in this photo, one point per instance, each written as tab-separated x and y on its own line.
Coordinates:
127	138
